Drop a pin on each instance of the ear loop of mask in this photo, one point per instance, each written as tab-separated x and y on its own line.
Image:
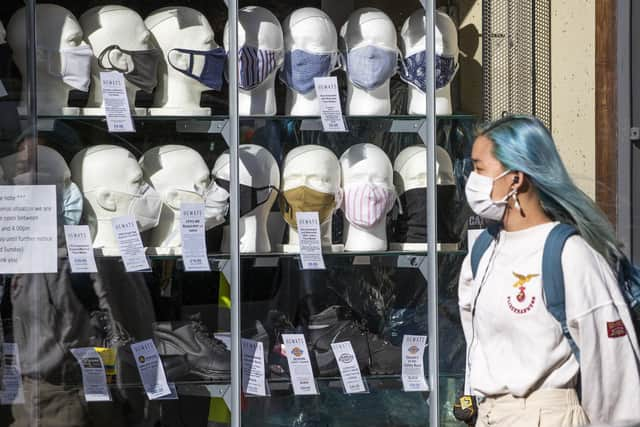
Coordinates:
106	52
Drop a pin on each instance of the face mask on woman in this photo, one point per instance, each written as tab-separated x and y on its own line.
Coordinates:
478	191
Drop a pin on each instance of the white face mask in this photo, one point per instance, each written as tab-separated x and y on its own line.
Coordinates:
72	64
478	191
216	205
146	207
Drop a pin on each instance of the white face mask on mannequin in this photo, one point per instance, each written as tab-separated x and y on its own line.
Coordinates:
145	206
478	191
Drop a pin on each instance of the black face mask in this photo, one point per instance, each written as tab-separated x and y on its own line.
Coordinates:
411	225
5	62
145	66
250	197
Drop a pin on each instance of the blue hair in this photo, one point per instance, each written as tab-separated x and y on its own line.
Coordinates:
523	143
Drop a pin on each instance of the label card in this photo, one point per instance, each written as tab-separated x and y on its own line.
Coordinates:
116	102
348	366
130	243
80	249
28	229
310	241
150	368
12	391
330	109
94	378
302	378
194	246
413	363
253	374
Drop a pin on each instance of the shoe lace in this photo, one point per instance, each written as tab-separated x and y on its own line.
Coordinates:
203	333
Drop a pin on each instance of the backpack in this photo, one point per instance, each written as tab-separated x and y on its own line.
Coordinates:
553	280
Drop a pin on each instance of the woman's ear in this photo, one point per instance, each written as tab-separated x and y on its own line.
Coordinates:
517	182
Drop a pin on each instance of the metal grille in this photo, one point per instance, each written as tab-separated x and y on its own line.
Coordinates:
516	58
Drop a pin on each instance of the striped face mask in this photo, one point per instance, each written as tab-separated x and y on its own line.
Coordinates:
255	65
366	204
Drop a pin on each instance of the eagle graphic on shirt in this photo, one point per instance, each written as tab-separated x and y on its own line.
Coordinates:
523	279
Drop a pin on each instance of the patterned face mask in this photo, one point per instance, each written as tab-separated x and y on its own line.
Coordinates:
255	65
370	66
413	70
366	204
301	67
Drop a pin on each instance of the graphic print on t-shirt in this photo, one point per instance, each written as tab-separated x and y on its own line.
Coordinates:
522	302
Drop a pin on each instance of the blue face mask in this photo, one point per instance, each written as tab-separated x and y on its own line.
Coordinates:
255	65
413	70
72	201
369	67
300	68
214	63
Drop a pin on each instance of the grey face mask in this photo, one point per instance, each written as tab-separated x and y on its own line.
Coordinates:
368	67
145	66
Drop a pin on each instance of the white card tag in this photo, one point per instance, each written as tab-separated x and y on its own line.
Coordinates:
413	363
3	90
80	249
130	243
94	378
349	368
310	241
173	395
194	246
150	368
302	379
253	374
329	99
12	391
116	102
28	229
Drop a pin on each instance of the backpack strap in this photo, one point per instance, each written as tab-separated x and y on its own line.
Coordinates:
481	245
553	279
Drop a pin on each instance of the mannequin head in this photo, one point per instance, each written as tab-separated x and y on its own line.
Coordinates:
260	29
3	33
310	30
367	175
410	168
180	28
258	171
368	29
413	42
62	57
105	26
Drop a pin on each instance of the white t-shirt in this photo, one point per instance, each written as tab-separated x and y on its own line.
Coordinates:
515	346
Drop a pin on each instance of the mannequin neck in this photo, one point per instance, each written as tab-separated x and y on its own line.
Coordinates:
299	104
105	237
375	102
260	101
529	215
52	96
325	234
167	233
371	239
417	101
178	93
254	236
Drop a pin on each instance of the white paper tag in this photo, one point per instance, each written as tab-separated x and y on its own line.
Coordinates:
173	395
28	229
302	379
80	249
413	363
94	378
225	337
253	374
130	243
329	99
472	235
310	242
3	90
150	368
194	246
12	391
349	368
116	102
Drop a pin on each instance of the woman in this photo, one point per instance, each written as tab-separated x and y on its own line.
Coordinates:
519	365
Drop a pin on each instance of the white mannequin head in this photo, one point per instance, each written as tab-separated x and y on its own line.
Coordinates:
258	28
413	41
411	168
176	172
368	27
58	29
182	28
106	26
258	169
316	167
361	164
3	33
311	30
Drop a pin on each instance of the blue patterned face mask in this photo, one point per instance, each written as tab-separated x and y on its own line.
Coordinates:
255	65
413	70
301	67
72	199
214	62
369	67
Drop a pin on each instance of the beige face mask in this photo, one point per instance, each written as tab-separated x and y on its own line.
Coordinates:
305	199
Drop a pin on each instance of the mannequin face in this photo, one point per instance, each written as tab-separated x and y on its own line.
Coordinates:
369	26
258	167
411	166
313	167
311	30
366	163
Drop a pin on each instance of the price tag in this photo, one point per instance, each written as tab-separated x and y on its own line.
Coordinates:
302	379
310	242
116	102
329	99
194	246
253	374
151	370
349	368
130	243
80	249
3	90
413	363
94	378
12	391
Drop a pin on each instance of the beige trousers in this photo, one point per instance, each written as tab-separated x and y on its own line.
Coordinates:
542	408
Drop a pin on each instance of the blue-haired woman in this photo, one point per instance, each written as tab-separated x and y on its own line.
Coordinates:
520	366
